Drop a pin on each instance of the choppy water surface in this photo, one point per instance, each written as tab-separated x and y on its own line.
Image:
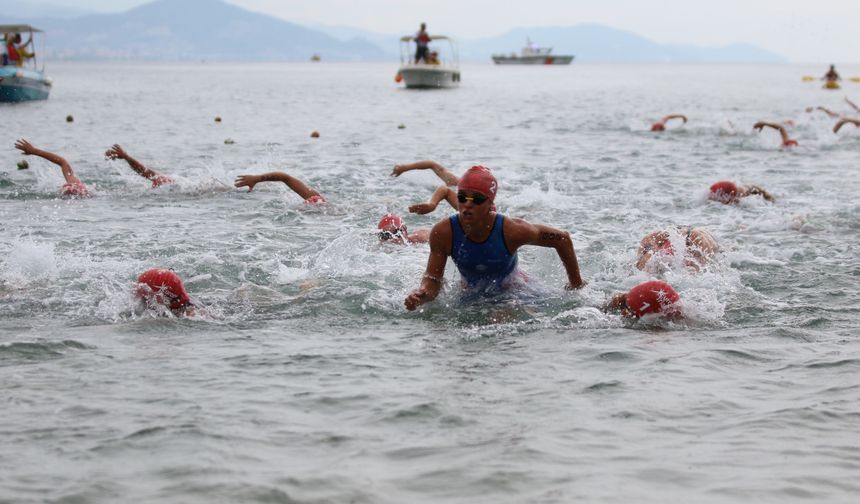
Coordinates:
309	382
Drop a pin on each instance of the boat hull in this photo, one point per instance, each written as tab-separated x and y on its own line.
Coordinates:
429	76
533	60
19	85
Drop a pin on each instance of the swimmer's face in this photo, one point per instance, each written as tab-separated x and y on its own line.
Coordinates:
472	205
393	235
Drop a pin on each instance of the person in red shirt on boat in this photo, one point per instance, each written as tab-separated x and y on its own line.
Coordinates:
844	121
786	141
728	192
308	194
157	179
421	42
654	297
73	186
661	124
392	230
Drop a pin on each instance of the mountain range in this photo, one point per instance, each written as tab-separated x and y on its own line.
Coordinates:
213	30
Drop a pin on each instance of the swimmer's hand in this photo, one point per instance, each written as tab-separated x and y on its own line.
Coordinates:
422	208
416	298
759	125
398	170
576	286
116	152
25	146
248	181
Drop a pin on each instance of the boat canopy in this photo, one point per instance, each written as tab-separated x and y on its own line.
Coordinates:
18	28
410	38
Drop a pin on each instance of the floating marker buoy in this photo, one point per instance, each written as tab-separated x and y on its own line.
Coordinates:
23	164
69	118
401	126
217	118
398	77
315	134
229	141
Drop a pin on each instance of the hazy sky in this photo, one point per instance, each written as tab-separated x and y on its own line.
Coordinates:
800	30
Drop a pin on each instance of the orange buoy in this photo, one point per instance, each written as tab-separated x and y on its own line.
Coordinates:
398	77
315	134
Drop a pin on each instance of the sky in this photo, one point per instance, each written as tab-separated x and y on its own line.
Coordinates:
799	30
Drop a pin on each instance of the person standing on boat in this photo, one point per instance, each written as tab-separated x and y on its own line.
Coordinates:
157	179
17	51
421	42
484	244
73	186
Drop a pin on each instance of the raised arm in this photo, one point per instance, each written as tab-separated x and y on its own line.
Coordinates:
674	116
303	190
117	152
843	122
441	193
827	111
779	127
520	232
431	282
443	173
853	105
28	150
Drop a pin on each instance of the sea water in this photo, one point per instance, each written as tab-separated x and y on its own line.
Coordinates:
308	381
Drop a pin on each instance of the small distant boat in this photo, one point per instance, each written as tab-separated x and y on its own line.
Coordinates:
22	83
831	84
437	72
531	54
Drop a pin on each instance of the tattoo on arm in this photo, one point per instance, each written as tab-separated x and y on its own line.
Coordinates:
551	236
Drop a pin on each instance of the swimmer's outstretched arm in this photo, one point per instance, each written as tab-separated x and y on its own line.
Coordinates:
843	122
431	282
28	149
117	152
443	173
442	193
756	190
853	105
779	127
674	116
519	232
827	111
303	190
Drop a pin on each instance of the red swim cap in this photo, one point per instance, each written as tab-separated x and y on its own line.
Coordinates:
724	192
658	126
789	143
161	180
479	179
316	199
164	286
390	221
651	297
73	189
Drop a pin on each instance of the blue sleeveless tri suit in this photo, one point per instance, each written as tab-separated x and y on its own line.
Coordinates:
482	265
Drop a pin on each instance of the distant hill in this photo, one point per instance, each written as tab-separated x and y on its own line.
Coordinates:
216	31
26	11
193	30
596	43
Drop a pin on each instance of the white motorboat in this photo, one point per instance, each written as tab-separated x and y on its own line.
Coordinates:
22	81
532	55
440	70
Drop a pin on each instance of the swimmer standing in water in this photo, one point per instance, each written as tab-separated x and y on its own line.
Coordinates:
661	124
728	192
308	194
786	141
163	287
73	186
648	298
700	247
157	179
484	244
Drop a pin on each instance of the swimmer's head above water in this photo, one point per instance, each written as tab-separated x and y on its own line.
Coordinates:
392	229
163	287
654	297
724	192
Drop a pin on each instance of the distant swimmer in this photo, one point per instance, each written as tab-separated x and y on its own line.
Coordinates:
827	111
661	124
483	244
163	287
392	230
73	186
443	173
311	196
844	121
654	297
728	192
786	141
157	179
853	105
700	247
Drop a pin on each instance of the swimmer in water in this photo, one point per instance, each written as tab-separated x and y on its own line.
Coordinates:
73	186
392	230
648	298
445	192
661	124
483	244
311	196
853	105
157	179
163	287
728	192
786	141
844	121
700	247
827	111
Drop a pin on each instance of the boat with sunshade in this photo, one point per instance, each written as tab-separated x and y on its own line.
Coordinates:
21	78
